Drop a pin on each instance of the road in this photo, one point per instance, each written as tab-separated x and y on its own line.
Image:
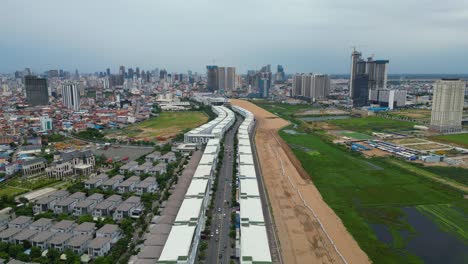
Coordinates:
219	247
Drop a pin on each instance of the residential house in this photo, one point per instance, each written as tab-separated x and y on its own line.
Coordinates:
143	168
23	236
86	228
126	208
110	231
41	240
128	185
112	183
64	226
8	234
86	206
152	157
41	224
48	203
148	185
128	167
99	247
33	167
96	181
159	169
79	243
60	241
20	222
67	205
107	207
168	157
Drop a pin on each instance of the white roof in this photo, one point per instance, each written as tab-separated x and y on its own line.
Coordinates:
245	150
247	171
249	187
254	244
189	210
246	159
203	171
207	159
244	142
213	142
213	149
178	243
197	187
251	210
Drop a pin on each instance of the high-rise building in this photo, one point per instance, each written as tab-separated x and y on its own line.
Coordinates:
230	79
377	71
355	58
360	90
108	73
71	96
212	78
46	123
280	76
222	79
137	72
388	98
264	84
311	86
447	105
131	73
122	71
36	90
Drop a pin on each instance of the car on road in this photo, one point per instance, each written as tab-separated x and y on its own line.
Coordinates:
219	209
217	231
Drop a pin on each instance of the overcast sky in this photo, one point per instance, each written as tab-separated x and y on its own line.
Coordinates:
417	36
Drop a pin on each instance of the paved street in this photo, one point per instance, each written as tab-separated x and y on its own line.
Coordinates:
219	246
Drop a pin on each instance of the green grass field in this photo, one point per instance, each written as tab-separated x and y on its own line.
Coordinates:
460	139
11	191
372	124
354	135
374	191
167	124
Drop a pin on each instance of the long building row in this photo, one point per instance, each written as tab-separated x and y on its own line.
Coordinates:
182	242
253	239
213	129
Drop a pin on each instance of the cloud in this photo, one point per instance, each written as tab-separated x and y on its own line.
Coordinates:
303	35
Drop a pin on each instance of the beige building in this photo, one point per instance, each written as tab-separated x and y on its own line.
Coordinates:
447	105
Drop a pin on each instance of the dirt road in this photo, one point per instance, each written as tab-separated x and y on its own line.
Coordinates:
308	230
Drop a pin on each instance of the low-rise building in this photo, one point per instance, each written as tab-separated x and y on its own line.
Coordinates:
148	185
64	226
112	183
86	228
79	243
168	157
126	208
20	222
107	207
159	169
60	241
42	224
128	185
110	231
152	157
99	247
8	234
71	163
96	181
128	167
23	236
41	240
33	167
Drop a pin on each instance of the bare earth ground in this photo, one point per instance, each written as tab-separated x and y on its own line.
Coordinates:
302	239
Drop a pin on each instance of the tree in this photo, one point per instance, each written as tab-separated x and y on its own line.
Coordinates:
22	257
35	252
14	250
127	226
85	218
53	255
72	257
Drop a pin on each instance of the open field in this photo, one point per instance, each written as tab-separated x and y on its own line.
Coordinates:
416	114
11	191
458	139
372	124
166	125
370	191
352	134
14	187
302	240
404	141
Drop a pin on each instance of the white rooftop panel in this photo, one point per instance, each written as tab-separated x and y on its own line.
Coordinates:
203	171
197	187
251	210
254	244
178	243
207	159
249	187
189	210
246	159
247	171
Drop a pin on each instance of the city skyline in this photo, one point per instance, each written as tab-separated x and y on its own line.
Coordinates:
301	36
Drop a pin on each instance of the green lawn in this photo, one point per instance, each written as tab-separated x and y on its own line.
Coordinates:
354	135
372	124
11	191
373	191
167	124
460	139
